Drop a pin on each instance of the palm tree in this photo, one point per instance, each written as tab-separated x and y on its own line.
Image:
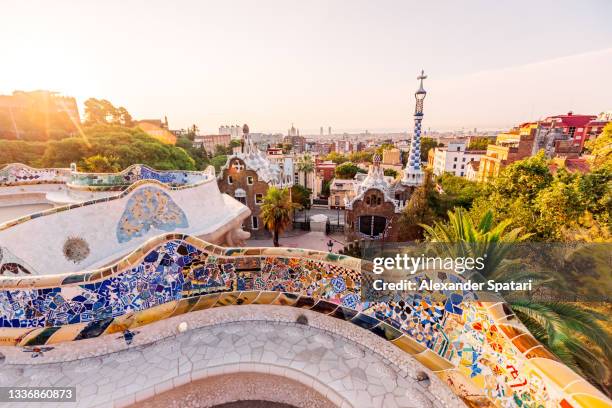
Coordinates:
569	330
276	211
306	166
460	237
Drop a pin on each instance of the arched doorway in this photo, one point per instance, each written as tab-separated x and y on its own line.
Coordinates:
372	225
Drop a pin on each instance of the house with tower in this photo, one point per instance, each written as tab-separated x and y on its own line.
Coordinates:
247	175
375	208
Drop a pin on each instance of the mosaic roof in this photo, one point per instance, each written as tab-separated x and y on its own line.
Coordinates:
254	159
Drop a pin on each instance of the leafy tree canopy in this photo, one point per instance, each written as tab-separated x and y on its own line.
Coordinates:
125	147
347	170
337	158
102	112
427	143
479	143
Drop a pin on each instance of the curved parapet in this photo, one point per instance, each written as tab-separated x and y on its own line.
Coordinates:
134	173
480	350
94	233
17	174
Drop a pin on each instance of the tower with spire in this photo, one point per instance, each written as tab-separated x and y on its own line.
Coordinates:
413	173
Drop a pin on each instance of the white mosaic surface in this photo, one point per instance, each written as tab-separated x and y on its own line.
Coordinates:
345	364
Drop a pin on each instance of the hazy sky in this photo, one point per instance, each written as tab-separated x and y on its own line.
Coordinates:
347	64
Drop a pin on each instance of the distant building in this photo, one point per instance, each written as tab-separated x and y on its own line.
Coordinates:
325	171
392	157
403	145
472	170
293	138
158	129
247	175
574	126
454	158
509	147
340	192
323	148
342	146
234	131
210	142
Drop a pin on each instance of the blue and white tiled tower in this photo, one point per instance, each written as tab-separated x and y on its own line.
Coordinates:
413	173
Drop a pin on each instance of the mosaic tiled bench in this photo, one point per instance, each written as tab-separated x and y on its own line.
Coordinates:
479	349
17	174
134	173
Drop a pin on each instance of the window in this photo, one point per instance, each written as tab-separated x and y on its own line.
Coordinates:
461	174
254	223
458	149
472	159
379	201
455	159
367	200
463	159
249	180
462	166
337	200
258	199
454	166
230	180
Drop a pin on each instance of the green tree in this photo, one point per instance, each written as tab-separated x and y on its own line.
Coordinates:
570	330
479	143
218	162
419	210
101	164
221	150
276	211
336	157
601	148
19	151
361	157
301	195
102	112
427	143
347	170
128	146
326	188
457	192
306	165
525	178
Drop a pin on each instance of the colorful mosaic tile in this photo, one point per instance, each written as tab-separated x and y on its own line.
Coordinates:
452	333
149	208
135	173
10	264
20	174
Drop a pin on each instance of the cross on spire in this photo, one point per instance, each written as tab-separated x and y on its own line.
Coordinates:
421	78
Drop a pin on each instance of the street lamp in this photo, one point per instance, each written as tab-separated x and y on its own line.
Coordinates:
330	245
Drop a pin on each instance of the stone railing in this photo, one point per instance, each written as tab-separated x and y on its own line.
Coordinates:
17	174
134	173
480	349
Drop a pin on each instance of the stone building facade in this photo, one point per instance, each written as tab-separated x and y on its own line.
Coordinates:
247	175
373	216
244	185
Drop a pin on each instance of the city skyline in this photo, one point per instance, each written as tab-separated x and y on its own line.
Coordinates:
348	65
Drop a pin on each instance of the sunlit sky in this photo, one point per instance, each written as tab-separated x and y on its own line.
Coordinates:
347	64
